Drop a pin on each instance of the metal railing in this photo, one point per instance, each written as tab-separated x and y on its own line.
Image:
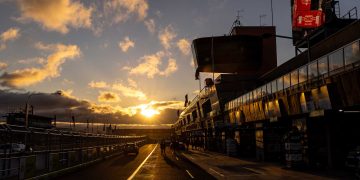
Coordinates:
50	163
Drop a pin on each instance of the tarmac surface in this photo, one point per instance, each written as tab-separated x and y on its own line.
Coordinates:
221	166
148	164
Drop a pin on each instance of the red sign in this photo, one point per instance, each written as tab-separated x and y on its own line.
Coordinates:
309	19
302	5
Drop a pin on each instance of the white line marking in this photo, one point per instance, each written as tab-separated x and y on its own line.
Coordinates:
192	177
216	172
251	169
138	168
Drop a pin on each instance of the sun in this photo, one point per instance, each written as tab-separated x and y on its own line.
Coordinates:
148	112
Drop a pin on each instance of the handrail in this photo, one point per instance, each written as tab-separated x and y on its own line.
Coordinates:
355	14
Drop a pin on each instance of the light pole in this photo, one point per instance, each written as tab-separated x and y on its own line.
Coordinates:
27	110
27	118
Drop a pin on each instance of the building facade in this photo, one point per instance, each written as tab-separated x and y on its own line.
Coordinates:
306	110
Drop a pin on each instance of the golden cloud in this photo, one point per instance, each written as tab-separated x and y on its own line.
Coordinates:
124	90
166	36
56	15
126	44
129	91
108	97
132	83
158	106
150	25
99	84
150	66
9	35
184	46
50	69
3	66
123	9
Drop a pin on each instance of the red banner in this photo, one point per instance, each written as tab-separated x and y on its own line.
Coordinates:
309	19
302	5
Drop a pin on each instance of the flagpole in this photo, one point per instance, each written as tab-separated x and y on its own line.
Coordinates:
272	13
212	58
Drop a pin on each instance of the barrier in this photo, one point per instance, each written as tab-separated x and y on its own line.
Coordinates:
50	164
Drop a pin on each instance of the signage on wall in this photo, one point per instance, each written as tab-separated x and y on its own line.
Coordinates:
309	15
305	17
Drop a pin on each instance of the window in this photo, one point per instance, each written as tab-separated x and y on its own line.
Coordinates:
352	53
263	91
336	60
294	78
286	81
313	72
258	93
273	86
280	84
194	115
303	74
323	65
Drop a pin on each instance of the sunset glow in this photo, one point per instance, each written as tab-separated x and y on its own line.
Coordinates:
149	112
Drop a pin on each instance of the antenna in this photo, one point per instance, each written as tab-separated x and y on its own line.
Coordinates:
260	17
237	21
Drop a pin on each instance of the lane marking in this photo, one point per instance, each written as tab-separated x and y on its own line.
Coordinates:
192	177
251	169
138	168
216	172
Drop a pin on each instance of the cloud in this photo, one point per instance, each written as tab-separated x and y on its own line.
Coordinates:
129	91
158	106
67	82
150	25
123	89
166	36
99	84
121	10
9	35
37	60
171	68
150	66
184	46
108	97
57	15
44	103
132	83
126	44
50	69
3	66
63	104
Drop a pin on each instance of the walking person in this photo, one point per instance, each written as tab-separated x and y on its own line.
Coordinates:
162	147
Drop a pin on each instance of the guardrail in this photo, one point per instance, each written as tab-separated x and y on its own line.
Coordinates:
44	164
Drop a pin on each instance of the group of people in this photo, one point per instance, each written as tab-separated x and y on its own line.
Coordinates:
174	146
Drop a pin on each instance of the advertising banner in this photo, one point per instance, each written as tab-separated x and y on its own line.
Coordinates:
302	5
309	19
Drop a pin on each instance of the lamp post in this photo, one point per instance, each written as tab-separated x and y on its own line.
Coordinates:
27	110
27	118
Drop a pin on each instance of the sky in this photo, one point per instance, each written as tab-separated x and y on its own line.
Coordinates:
123	61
